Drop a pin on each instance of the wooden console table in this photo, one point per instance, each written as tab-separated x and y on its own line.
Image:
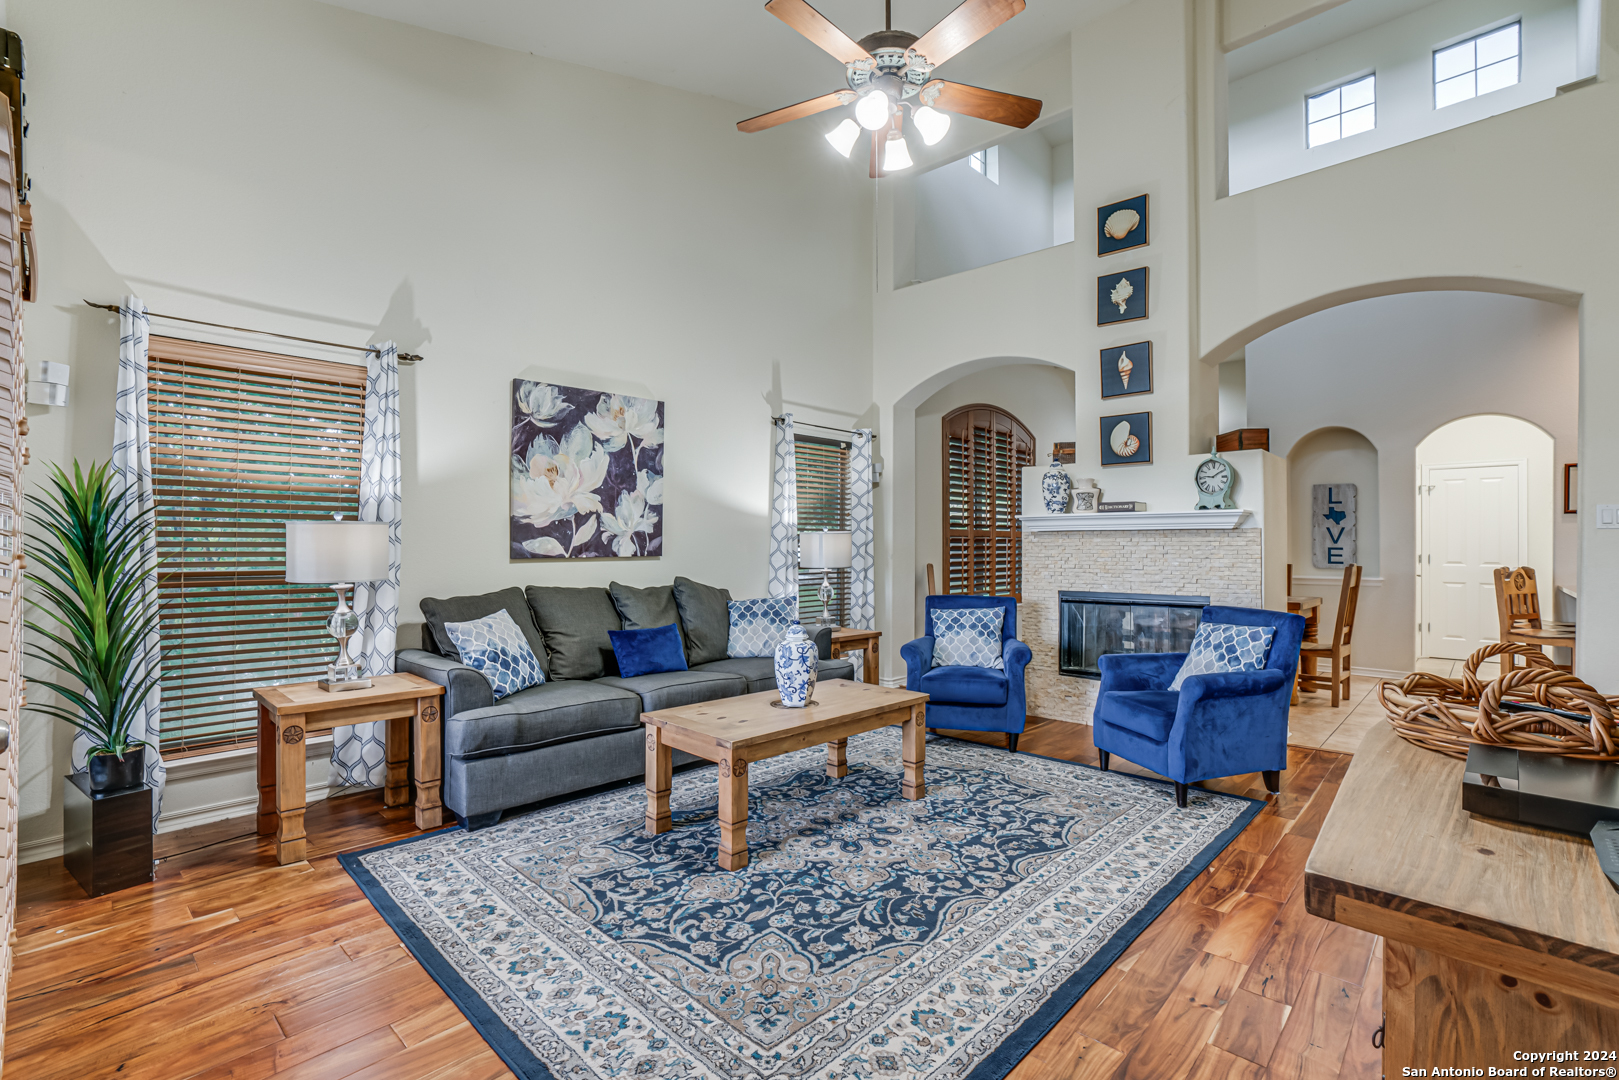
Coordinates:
846	639
289	714
1499	938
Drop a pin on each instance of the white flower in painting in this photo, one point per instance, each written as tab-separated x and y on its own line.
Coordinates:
540	403
556	480
619	418
649	487
631	516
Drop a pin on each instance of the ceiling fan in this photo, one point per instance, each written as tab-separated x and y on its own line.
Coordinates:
890	70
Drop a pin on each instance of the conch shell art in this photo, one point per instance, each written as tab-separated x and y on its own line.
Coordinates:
1120	223
1125	367
1123	443
1120	296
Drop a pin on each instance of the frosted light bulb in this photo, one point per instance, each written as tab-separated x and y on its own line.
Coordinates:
931	123
872	110
897	155
843	136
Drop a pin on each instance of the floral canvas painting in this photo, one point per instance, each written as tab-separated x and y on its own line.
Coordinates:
587	473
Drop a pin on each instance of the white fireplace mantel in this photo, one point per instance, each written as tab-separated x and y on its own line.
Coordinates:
1176	519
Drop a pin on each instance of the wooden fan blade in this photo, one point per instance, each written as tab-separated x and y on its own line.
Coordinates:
963	26
1008	109
819	29
794	112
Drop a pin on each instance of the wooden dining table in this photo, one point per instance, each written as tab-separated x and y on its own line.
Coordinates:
1310	608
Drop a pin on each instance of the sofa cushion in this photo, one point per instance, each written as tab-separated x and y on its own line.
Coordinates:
553	712
760	671
1150	713
968	637
466	608
497	649
705	620
648	652
965	685
575	624
645	609
672	689
1222	647
758	626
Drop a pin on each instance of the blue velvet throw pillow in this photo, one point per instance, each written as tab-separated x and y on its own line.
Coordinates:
497	650
757	626
1221	647
648	652
968	637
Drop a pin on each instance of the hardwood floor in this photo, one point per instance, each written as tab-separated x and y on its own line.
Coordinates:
230	967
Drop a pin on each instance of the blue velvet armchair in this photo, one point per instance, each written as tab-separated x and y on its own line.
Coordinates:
1215	725
971	698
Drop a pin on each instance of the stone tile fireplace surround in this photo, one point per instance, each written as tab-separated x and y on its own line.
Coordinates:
1093	554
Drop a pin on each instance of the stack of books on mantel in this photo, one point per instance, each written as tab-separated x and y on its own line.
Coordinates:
1120	507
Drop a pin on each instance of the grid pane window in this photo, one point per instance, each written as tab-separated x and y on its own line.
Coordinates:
823	503
1477	66
988	162
1341	112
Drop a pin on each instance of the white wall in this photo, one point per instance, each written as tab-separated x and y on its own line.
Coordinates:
1233	395
298	167
1062	192
1039	395
965	220
1266	109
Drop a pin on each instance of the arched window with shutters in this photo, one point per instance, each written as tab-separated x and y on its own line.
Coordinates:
985	451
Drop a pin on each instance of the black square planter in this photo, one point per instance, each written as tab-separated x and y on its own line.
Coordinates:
107	836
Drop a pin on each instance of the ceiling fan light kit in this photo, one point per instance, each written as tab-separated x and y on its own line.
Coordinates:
890	70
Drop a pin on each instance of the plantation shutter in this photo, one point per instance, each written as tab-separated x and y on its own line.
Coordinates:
13	454
985	452
823	503
243	442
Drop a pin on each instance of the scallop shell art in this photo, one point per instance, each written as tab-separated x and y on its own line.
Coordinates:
1120	296
1120	223
1123	443
1125	367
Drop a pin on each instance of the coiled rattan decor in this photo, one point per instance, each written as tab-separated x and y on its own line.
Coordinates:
1449	715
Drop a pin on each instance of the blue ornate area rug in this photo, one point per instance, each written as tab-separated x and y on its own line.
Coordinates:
869	937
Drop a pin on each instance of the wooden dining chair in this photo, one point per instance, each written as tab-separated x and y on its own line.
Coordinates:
932	590
1517	608
1289	590
1337	651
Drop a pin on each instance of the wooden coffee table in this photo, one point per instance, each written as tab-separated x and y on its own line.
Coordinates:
735	731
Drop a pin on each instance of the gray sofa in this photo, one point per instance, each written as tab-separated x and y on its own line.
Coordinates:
581	728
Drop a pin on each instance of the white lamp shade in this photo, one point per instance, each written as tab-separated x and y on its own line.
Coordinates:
825	550
873	110
329	552
843	136
897	155
932	123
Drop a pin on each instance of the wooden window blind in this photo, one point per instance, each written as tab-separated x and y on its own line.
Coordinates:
823	503
985	452
241	443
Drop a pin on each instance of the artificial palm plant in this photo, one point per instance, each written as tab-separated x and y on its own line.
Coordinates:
91	548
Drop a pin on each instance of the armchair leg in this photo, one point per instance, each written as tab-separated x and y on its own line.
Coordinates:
1180	795
1273	780
1106	757
1011	741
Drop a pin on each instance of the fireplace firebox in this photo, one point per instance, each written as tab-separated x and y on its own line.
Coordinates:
1093	624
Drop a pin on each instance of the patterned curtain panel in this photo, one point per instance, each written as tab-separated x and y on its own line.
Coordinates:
132	460
862	518
784	513
359	753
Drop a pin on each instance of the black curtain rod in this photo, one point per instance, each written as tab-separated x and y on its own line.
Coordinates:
404	357
823	427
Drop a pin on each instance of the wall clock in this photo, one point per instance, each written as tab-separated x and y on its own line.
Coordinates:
1215	479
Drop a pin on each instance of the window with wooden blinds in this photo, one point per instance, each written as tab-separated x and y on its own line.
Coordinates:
242	442
985	452
823	503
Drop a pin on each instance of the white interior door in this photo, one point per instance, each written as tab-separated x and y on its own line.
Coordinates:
1475	519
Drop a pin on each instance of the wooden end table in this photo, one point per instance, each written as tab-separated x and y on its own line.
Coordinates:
289	714
734	731
846	639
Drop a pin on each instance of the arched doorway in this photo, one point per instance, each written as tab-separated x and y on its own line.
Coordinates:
984	450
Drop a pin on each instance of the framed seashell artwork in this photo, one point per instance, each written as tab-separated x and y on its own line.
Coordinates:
1127	370
1127	439
1121	296
1121	226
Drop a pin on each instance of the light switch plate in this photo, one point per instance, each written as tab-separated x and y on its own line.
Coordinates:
1607	516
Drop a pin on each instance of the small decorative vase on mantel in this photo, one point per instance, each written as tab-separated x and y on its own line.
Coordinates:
1054	487
1086	495
797	665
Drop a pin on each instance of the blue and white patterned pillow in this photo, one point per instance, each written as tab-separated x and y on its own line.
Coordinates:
498	651
757	626
1219	647
968	637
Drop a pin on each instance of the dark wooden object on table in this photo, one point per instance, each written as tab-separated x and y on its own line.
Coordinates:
846	639
1335	652
106	836
1499	937
1248	438
1517	609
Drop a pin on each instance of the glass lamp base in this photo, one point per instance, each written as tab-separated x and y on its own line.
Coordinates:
344	677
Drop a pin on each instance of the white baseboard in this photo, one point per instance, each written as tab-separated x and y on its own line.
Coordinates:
46	847
895	682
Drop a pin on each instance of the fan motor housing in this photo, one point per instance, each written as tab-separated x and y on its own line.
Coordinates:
892	56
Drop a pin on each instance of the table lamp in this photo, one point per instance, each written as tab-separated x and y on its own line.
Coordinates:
826	551
338	553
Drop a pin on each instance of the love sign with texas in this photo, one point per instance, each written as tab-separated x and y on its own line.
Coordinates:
1332	525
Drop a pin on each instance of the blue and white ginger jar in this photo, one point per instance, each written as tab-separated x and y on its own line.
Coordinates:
796	667
1054	488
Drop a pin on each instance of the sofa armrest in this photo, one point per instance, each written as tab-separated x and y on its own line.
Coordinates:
1230	684
1015	656
1138	671
823	643
918	656
464	687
